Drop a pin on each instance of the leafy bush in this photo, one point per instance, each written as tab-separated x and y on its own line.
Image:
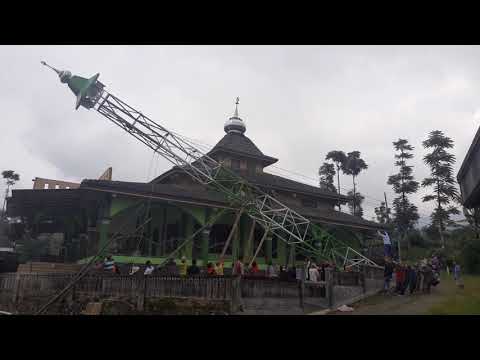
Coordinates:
471	257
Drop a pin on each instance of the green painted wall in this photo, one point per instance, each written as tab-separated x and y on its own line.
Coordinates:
119	204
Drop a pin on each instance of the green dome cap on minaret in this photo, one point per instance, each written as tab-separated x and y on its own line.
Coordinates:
86	90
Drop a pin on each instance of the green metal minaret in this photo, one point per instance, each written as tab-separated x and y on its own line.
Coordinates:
87	91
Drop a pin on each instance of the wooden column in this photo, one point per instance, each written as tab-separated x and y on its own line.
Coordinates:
268	245
281	252
248	240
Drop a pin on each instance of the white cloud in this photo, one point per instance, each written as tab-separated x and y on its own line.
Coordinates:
299	103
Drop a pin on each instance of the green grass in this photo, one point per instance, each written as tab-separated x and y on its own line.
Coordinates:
460	301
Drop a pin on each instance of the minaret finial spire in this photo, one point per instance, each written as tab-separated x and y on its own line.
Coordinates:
236	107
51	67
63	75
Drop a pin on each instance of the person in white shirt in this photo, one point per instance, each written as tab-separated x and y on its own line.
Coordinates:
133	269
149	268
314	273
387	244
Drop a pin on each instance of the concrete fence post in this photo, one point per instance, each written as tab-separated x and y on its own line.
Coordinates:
301	292
141	287
329	287
363	276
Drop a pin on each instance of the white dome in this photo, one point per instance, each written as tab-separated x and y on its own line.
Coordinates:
234	124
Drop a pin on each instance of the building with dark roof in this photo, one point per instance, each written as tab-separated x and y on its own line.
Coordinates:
469	175
178	206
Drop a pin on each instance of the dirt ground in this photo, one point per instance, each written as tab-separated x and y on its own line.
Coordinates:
416	304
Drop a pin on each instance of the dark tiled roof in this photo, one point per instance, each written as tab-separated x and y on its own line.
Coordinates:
202	195
270	181
333	216
466	161
242	145
166	191
25	202
280	183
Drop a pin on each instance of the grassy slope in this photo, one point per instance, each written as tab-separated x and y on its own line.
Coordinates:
458	301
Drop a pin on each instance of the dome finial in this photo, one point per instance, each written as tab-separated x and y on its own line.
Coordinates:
236	107
235	124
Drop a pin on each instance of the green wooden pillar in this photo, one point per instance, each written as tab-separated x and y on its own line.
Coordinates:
281	252
204	246
268	245
188	226
246	241
292	255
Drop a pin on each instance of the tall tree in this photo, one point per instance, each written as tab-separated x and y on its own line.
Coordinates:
441	179
10	179
403	183
339	158
355	204
353	165
326	173
382	213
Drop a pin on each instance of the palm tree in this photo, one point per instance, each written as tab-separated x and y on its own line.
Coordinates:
11	178
339	158
353	165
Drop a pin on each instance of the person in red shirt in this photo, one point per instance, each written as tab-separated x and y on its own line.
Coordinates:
210	269
254	270
400	279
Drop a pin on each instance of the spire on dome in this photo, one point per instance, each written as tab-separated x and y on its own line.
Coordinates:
236	107
235	124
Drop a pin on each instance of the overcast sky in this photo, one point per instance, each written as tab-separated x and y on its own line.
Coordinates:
299	102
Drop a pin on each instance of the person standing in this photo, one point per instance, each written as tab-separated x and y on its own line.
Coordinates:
210	269
254	270
219	268
387	243
399	278
109	264
456	272
428	278
171	267
387	274
193	269
238	268
270	271
283	275
133	269
183	266
314	274
412	278
149	268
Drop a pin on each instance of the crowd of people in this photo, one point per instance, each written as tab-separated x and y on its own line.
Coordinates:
309	271
171	267
399	277
411	277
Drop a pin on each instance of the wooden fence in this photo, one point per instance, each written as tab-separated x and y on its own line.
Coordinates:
19	286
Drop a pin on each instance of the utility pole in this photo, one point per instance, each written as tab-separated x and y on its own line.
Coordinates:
388	219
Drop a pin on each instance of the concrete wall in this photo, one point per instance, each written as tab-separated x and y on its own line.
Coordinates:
41	184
